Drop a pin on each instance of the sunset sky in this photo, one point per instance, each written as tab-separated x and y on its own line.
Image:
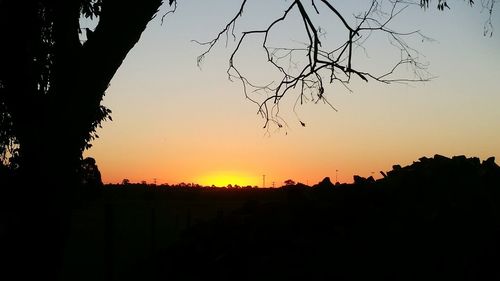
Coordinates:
176	122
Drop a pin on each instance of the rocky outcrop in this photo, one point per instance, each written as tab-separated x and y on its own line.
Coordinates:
443	170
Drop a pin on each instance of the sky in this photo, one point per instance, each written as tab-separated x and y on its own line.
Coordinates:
176	122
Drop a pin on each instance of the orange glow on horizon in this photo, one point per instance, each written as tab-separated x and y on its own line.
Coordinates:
225	178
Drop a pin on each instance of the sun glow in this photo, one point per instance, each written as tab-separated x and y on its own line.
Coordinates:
225	178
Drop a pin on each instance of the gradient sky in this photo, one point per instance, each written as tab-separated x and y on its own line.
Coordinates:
175	122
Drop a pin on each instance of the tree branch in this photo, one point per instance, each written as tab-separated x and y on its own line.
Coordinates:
305	76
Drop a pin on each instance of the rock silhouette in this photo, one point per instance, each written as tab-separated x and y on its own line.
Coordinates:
324	184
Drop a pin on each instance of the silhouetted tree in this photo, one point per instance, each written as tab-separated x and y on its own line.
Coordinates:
52	82
51	88
90	173
289	182
90	178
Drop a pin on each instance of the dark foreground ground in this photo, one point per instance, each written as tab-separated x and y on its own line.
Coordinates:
437	219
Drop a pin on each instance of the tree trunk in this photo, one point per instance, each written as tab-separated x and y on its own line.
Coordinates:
53	126
41	205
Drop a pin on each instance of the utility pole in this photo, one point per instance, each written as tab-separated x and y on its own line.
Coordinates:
336	176
263	181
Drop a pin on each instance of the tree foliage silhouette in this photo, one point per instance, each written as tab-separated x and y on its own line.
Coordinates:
51	88
52	83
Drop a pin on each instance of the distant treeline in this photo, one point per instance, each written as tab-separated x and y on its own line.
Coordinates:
127	183
438	168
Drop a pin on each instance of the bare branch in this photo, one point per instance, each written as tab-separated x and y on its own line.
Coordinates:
302	70
174	2
337	13
226	30
488	25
